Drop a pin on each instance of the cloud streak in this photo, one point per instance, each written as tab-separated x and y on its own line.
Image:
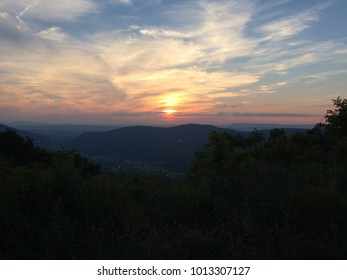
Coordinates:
288	27
52	10
271	115
21	14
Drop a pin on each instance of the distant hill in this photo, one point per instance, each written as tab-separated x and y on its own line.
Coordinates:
60	132
266	126
174	147
288	131
40	140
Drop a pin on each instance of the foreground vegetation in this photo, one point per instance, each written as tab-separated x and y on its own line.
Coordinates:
244	198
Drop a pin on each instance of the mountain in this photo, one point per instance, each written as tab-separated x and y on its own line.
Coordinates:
173	147
266	126
40	140
136	148
288	131
60	132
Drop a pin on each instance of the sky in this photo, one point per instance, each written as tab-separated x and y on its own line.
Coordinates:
160	62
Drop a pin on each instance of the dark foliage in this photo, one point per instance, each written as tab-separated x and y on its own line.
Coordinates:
284	197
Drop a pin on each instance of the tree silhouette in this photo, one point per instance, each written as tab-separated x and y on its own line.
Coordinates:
336	119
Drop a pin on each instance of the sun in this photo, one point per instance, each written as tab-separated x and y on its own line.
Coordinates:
169	111
168	105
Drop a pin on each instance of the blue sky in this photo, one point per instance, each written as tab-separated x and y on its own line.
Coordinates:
170	62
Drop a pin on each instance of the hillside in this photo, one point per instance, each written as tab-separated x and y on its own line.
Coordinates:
172	147
61	133
40	140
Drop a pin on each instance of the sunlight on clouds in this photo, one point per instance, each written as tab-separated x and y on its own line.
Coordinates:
169	111
142	53
78	80
272	88
54	33
171	102
185	85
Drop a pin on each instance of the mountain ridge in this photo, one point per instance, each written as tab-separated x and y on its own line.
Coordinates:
40	140
174	146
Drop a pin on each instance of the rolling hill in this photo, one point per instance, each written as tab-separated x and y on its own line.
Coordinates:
40	140
172	147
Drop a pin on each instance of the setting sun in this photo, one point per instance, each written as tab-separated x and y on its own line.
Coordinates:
169	105
169	111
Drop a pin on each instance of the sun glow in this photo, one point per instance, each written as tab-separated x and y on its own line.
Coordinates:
169	104
169	112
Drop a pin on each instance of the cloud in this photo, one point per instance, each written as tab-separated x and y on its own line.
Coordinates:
122	2
245	114
271	115
219	28
54	67
288	27
322	76
54	33
11	30
283	58
297	61
271	88
291	26
184	85
215	29
224	105
27	9
52	10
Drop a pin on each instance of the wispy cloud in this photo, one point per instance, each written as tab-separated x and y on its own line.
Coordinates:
122	2
322	76
291	26
52	10
53	33
12	31
288	27
27	9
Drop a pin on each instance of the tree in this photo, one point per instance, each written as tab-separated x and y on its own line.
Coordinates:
256	137
20	150
336	119
277	134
